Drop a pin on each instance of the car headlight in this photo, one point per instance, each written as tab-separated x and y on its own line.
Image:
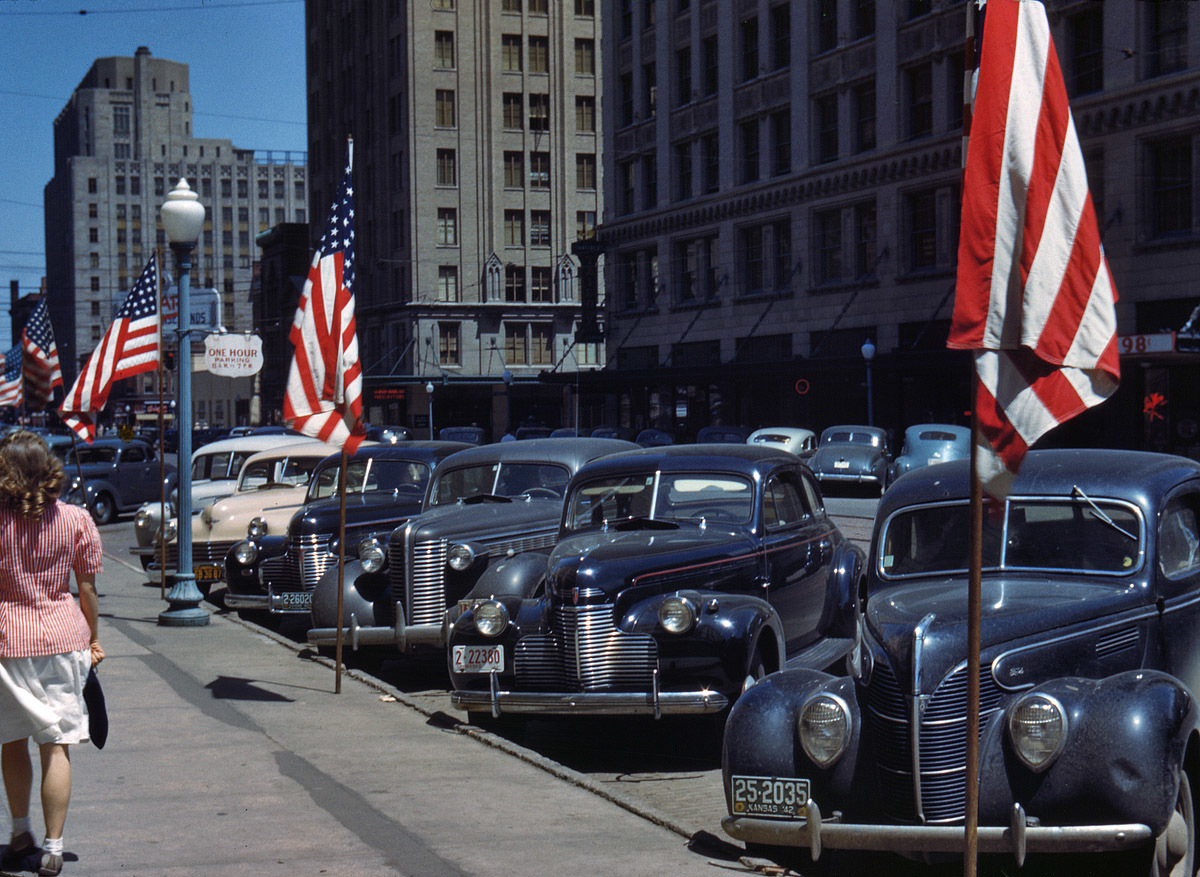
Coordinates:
372	555
257	528
143	520
491	618
245	553
170	529
677	614
824	728
1037	727
460	556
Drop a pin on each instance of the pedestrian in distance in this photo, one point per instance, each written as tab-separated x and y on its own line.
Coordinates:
48	642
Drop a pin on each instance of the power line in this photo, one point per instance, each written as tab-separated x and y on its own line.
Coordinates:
170	9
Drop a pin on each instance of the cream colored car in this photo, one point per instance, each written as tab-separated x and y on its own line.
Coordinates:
271	487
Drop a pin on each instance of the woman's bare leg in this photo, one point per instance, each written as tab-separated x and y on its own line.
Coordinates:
56	786
18	776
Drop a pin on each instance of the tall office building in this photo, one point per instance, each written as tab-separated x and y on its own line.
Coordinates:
476	133
122	142
784	179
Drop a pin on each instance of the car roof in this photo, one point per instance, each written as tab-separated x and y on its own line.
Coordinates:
304	446
743	458
238	443
420	451
959	432
789	431
572	452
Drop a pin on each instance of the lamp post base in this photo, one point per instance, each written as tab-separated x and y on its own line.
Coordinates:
185	610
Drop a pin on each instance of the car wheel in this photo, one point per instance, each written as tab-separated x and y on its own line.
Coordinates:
104	510
1175	848
755	671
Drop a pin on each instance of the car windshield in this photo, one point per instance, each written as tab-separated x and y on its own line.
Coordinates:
662	496
372	476
277	471
1079	535
500	479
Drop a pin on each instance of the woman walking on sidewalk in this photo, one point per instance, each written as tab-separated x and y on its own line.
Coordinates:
47	644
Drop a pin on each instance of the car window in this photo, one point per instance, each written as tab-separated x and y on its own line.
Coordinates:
934	435
783	503
214	466
516	479
256	474
135	454
1179	537
464	482
372	476
666	496
92	455
296	470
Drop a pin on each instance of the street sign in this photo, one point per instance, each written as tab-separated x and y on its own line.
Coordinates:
1160	342
205	308
233	354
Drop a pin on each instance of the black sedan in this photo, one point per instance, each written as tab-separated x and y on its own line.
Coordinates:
682	576
1089	736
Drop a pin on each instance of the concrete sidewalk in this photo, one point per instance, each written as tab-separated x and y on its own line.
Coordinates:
229	753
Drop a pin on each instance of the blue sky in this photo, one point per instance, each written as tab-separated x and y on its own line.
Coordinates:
247	80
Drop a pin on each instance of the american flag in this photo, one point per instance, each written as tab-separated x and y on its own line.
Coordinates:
42	371
324	388
10	386
129	347
1035	299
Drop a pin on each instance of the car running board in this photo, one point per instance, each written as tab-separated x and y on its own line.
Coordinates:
821	655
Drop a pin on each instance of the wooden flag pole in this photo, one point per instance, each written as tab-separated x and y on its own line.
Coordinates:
337	651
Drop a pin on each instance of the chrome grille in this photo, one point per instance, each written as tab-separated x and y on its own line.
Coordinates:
585	651
202	552
425	602
301	566
943	741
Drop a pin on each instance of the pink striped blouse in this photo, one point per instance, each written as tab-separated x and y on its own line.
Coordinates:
38	614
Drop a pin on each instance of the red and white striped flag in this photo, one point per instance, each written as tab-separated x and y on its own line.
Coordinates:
42	371
129	347
11	392
1035	299
324	387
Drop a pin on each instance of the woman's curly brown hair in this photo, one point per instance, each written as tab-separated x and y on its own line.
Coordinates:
31	477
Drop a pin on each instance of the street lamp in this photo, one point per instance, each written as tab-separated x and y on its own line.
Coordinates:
429	393
182	218
507	377
868	353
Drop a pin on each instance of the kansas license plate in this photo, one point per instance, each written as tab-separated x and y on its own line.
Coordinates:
208	572
841	464
769	796
477	659
292	601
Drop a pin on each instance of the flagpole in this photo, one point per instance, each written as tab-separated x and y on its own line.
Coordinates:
337	651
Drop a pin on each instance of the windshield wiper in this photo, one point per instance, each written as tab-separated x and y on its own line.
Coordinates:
641	522
1076	491
485	497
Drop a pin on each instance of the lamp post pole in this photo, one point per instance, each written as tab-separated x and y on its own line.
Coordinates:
507	377
868	353
183	218
429	393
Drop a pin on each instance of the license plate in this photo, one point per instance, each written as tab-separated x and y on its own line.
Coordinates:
292	601
841	464
208	572
769	796
478	659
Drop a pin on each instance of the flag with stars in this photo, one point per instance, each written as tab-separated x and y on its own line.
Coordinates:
129	347
324	387
42	371
10	386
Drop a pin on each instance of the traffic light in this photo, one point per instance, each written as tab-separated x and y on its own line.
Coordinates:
169	360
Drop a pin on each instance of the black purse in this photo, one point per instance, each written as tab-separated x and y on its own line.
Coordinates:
93	696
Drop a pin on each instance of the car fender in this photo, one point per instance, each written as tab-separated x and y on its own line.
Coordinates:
268	546
839	614
519	576
361	591
1126	740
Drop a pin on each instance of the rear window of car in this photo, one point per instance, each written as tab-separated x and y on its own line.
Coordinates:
936	436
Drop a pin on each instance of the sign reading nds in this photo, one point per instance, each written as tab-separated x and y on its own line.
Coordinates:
205	307
233	355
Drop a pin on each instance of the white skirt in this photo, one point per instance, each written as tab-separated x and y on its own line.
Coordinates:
42	698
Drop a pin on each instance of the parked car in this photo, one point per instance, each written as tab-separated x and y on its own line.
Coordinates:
278	572
533	432
471	435
927	444
484	504
566	432
682	576
625	433
389	435
722	435
851	455
118	475
1089	730
801	442
654	438
270	488
215	469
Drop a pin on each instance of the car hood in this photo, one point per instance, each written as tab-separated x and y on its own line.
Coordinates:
362	510
472	521
1013	610
227	518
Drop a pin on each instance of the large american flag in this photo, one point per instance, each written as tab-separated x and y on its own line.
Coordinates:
1035	299
129	347
10	385
324	388
42	371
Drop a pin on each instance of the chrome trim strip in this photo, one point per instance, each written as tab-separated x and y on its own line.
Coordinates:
917	709
590	703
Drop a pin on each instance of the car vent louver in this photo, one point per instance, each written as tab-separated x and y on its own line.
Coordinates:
1117	641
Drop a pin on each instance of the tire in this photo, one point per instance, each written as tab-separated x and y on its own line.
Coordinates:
104	510
755	671
1174	852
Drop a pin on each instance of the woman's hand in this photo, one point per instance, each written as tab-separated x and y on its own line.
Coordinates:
97	652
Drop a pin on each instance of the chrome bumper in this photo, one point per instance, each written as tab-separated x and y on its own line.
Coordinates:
247	601
1018	837
595	703
401	635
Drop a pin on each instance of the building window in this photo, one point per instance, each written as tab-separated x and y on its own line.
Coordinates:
243	189
954	69
510	6
514	283
541	278
627	280
446	114
539	7
694	269
539	55
751	260
585	57
541	344
119	185
514	111
711	73
585	114
514	170
93	235
917	8
827	231
448	346
625	187
683	171
585	8
95	284
91	185
448	283
539	170
865	236
510	53
864	18
443	48
649	90
94	211
1086	34
585	170
514	228
683	76
585	224
781	36
264	188
827	127
650	181
447	226
625	14
120	150
93	260
539	112
516	350
749	36
919	88
539	229
625	99
781	142
921	209
710	161
1168	36
748	135
1171	187
264	218
827	32
864	116
447	171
